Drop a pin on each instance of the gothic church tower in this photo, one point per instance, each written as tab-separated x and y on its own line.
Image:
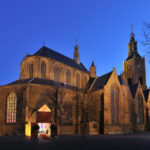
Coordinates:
134	65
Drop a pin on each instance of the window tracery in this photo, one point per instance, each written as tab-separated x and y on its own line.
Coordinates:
11	108
43	69
56	73
68	77
140	112
78	80
114	104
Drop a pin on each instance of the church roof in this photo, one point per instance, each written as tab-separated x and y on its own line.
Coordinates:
101	81
146	92
135	54
121	80
47	52
90	82
43	82
133	88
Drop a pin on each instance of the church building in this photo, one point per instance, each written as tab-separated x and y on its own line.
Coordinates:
62	97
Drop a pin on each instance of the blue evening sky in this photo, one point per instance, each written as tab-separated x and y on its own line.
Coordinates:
101	26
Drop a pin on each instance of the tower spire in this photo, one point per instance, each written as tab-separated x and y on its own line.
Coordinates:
132	46
76	53
131	28
132	34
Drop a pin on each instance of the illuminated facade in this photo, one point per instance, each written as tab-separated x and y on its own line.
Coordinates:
62	97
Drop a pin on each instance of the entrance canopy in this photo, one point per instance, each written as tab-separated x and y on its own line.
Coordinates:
44	114
44	108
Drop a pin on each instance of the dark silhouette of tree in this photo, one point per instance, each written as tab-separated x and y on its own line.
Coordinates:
87	108
146	39
56	96
146	34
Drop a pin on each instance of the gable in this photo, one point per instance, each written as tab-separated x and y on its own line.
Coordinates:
139	91
101	82
113	80
44	108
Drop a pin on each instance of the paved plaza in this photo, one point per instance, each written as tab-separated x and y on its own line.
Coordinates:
137	141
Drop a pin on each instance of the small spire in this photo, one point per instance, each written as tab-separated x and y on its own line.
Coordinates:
76	47
93	70
76	53
132	34
92	63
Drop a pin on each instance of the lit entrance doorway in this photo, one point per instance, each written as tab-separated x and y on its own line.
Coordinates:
44	128
44	122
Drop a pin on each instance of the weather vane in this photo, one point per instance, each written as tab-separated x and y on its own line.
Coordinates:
76	41
131	28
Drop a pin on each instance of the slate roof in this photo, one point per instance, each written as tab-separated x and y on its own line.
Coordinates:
135	54
101	81
42	81
121	80
47	52
146	92
90	82
133	88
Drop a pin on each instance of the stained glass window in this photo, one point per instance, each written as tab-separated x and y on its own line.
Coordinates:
11	108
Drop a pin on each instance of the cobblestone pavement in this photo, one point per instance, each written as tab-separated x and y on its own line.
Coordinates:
136	141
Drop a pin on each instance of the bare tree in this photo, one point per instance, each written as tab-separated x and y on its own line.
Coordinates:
146	34
56	97
87	107
146	39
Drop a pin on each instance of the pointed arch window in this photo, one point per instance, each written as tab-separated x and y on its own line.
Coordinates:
43	69
140	112
138	109
117	104
31	70
56	73
112	106
78	80
68	77
11	108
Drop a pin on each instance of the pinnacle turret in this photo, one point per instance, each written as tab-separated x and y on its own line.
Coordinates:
76	53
